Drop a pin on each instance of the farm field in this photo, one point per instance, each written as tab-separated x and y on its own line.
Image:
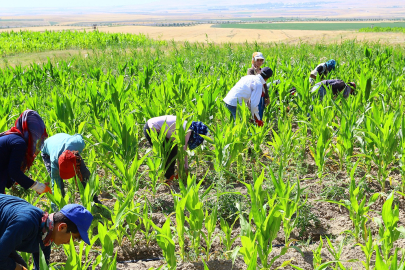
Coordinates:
330	26
320	186
200	33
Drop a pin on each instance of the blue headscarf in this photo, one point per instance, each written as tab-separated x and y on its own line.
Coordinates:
195	138
330	65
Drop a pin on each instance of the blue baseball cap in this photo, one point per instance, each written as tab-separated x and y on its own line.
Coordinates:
81	217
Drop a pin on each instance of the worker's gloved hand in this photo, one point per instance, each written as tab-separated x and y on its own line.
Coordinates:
259	123
41	188
311	80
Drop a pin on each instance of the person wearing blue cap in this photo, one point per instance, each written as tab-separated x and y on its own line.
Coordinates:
26	228
322	70
192	139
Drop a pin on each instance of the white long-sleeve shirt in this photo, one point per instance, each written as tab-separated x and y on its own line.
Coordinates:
247	88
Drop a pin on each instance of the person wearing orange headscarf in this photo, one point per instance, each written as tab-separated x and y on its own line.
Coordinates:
18	147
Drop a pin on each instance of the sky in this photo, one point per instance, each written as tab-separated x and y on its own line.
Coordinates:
114	3
150	4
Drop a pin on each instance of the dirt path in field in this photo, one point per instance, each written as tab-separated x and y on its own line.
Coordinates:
200	33
25	59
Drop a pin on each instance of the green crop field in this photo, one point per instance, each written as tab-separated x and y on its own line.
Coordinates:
329	26
319	186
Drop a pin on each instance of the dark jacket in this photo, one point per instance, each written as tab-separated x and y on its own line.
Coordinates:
19	229
251	71
12	149
336	85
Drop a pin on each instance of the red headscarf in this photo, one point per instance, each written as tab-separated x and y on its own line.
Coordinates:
31	128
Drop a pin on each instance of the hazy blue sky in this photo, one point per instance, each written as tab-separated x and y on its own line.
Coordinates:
71	3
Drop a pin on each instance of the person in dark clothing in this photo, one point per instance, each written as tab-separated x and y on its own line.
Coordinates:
257	61
336	86
26	228
322	70
18	147
192	139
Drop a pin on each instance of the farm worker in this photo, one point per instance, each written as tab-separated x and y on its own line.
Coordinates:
337	86
257	61
192	139
322	69
248	88
61	155
26	228
18	147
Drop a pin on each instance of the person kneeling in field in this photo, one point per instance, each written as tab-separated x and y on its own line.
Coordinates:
337	86
18	148
248	88
192	139
322	69
61	155
26	228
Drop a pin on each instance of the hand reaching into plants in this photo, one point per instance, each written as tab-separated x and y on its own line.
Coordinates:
41	188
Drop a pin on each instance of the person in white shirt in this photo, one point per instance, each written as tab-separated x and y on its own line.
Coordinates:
248	88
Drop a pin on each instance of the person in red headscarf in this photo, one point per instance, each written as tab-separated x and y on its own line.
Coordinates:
18	147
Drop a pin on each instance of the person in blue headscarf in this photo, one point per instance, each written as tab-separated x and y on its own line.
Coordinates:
192	140
322	70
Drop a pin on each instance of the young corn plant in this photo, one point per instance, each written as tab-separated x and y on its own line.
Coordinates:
380	263
321	119
226	238
382	130
368	250
210	222
336	253
402	155
166	243
267	219
180	220
349	123
357	207
389	231
288	206
146	230
283	143
196	218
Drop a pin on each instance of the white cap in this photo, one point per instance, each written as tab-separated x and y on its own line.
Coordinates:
259	55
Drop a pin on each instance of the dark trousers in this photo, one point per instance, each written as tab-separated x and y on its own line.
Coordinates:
171	158
83	170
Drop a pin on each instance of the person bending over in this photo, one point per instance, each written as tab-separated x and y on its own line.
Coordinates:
26	228
62	159
249	90
192	139
18	147
322	70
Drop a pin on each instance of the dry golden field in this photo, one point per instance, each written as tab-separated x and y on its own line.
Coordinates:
199	33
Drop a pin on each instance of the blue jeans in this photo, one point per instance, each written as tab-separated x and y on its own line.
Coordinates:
232	109
321	91
261	108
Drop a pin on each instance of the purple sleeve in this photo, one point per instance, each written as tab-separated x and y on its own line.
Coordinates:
14	165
